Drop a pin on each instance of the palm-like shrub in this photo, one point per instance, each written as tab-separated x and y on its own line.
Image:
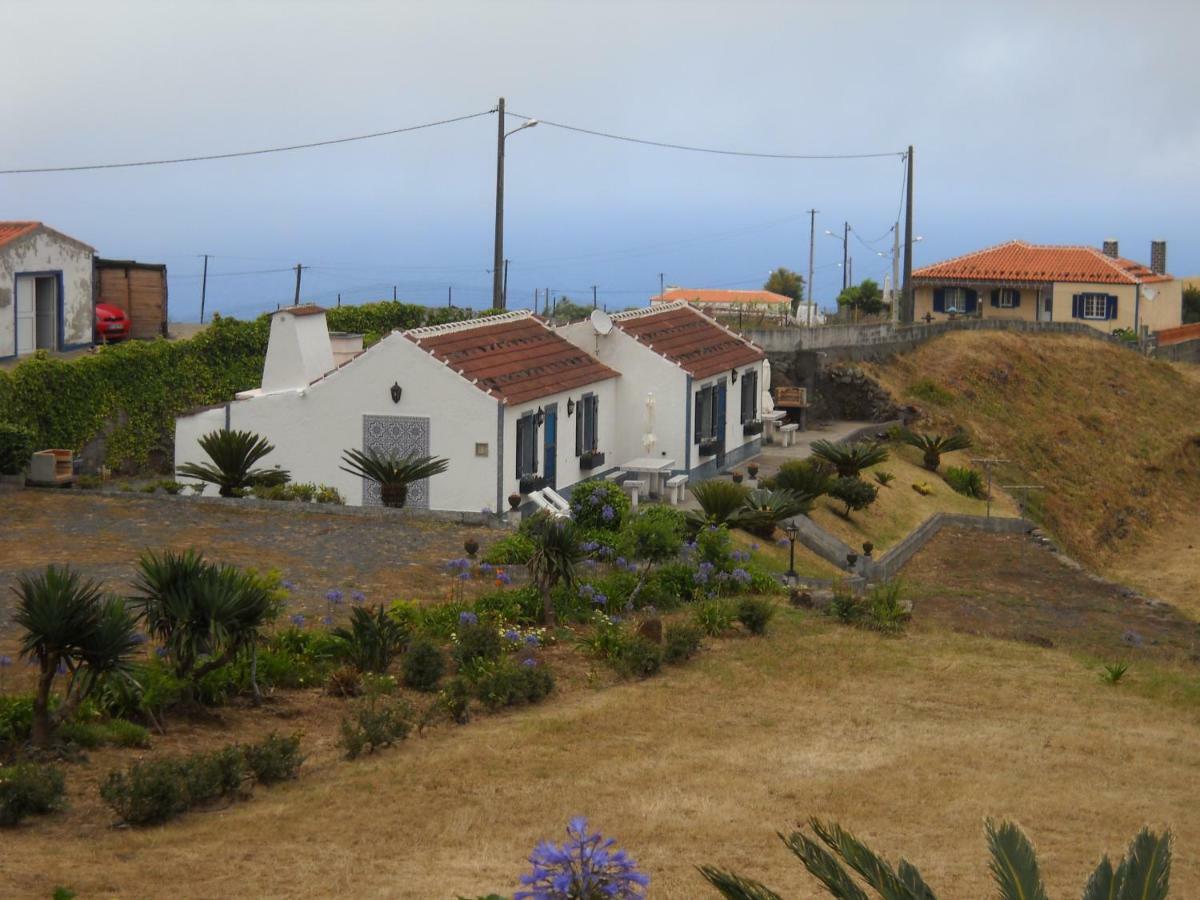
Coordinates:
848	460
372	640
70	626
719	500
555	560
203	614
392	473
932	446
966	481
837	856
763	509
233	455
808	479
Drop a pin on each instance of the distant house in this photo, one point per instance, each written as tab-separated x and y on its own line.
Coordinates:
140	289
45	290
689	382
1047	283
746	304
492	395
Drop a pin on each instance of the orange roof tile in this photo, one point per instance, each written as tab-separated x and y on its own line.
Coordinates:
516	359
706	295
1018	261
698	344
10	231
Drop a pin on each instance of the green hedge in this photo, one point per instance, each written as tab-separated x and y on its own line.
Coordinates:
137	389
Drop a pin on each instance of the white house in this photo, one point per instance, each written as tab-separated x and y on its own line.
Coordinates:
748	307
690	388
45	290
505	399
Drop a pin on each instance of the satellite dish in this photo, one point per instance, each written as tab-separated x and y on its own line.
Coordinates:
601	323
1149	293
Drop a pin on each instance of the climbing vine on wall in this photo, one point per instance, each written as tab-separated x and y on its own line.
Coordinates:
134	391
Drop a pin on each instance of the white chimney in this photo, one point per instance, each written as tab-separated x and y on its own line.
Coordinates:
298	351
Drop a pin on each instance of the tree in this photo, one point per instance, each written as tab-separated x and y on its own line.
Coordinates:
1191	304
865	298
854	492
70	627
556	556
786	282
567	310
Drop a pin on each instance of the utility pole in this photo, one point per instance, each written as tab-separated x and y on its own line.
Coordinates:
546	310
449	296
987	462
339	301
908	240
845	255
850	271
393	293
497	275
661	291
895	272
504	289
299	269
812	232
203	288
593	296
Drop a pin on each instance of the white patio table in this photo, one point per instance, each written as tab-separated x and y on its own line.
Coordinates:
771	421
653	467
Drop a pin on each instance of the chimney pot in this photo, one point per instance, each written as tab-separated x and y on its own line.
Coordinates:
1110	248
1158	257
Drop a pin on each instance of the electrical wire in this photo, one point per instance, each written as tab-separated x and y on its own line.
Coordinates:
713	150
239	153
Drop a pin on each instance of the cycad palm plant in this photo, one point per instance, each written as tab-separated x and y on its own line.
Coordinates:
808	479
932	446
392	473
719	500
1143	873
848	460
70	627
233	455
555	560
763	509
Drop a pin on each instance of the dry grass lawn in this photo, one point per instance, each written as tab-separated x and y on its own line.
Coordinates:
911	742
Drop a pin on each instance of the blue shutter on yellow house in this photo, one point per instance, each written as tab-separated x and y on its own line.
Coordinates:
971	304
1077	306
1111	308
939	300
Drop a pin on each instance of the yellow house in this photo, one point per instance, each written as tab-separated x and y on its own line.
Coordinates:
1045	283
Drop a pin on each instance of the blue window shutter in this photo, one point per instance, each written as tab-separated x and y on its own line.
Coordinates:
1077	306
579	427
520	444
593	429
1112	307
996	297
1016	299
696	418
939	299
972	301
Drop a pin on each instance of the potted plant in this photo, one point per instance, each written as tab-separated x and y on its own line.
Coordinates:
851	560
593	459
750	428
471	546
708	448
736	476
753	470
392	473
514	500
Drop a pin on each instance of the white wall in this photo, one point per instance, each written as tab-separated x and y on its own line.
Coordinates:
43	251
299	350
734	438
311	428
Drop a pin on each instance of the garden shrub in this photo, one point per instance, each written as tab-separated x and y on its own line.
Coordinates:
854	492
806	478
522	605
455	699
673	580
719	501
372	640
606	637
715	547
512	549
115	732
218	773
845	606
754	613
930	391
147	792
652	537
668	517
599	504
374	723
886	609
16	718
275	758
638	657
715	616
503	682
681	641
476	639
422	665
344	681
16	446
29	789
966	481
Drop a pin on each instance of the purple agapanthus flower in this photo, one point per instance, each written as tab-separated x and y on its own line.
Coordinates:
288	585
504	578
334	596
160	652
138	638
584	865
326	620
600	600
298	620
741	575
486	568
464	576
532	640
5	662
358	597
608	513
468	618
512	635
782	542
529	662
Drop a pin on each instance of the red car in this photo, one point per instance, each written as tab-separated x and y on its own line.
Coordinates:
112	323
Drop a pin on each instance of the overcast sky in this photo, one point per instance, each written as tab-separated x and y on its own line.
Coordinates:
1056	123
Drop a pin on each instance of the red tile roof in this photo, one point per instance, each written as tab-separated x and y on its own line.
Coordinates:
515	359
705	295
10	231
1018	261
687	337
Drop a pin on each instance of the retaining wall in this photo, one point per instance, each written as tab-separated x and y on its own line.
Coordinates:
890	563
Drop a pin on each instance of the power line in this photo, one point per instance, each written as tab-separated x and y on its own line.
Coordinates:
719	152
187	159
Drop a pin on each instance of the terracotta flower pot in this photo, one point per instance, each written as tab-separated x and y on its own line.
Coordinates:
471	546
514	500
753	470
737	477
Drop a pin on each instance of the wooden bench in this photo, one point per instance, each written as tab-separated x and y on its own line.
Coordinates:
676	485
557	500
634	487
787	434
615	475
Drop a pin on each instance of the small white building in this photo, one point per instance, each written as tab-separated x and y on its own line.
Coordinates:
750	308
510	403
690	388
45	290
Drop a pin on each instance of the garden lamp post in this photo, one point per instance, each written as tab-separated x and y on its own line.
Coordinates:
792	530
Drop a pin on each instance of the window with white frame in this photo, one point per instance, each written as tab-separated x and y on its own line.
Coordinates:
587	430
1095	306
1007	298
956	300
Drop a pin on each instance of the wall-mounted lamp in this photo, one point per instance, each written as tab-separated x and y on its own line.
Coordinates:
733	377
396	392
570	406
541	416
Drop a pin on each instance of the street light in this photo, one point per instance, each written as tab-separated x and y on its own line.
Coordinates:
498	266
792	530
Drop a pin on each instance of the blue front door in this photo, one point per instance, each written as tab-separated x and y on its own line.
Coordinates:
550	441
720	424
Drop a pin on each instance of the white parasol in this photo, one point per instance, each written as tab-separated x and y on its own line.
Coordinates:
649	438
